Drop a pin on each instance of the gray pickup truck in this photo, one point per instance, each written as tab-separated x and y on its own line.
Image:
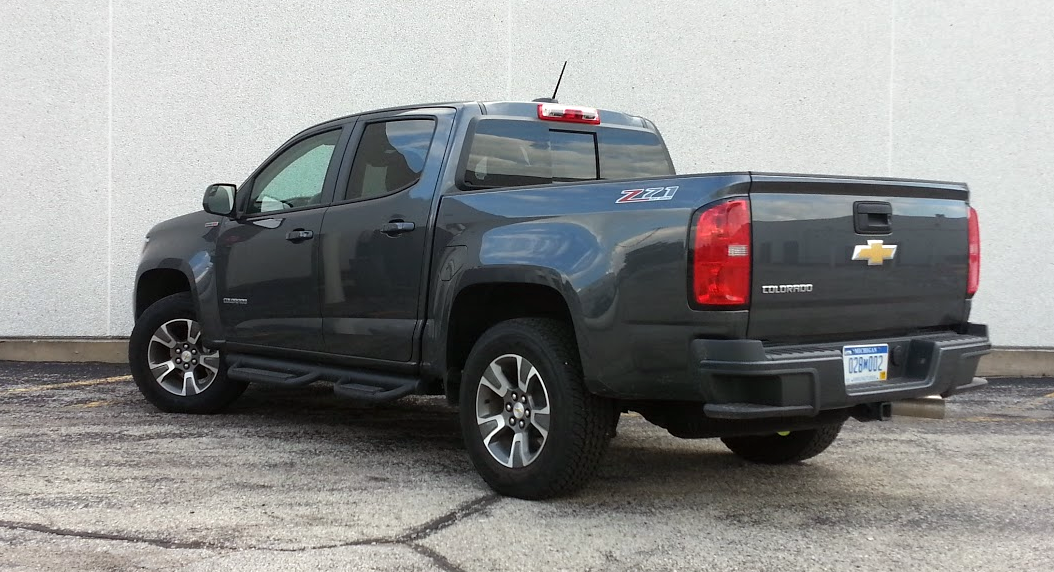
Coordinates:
543	267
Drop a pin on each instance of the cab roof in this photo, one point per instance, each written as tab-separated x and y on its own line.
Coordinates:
522	109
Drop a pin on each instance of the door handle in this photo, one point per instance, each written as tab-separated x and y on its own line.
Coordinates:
397	227
299	235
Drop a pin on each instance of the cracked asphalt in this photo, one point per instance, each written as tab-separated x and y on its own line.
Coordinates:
94	478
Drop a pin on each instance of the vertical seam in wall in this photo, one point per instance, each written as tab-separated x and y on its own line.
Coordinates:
892	68
508	49
109	173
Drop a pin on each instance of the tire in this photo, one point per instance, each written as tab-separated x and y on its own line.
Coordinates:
775	449
578	423
173	320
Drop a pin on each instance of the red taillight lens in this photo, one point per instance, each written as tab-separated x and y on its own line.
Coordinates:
973	276
721	255
568	113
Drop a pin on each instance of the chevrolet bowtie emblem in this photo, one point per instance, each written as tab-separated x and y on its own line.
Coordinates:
874	252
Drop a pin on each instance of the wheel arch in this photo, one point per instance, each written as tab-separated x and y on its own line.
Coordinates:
157	283
489	296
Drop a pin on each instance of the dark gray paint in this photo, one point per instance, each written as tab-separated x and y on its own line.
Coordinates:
372	282
276	277
622	269
803	232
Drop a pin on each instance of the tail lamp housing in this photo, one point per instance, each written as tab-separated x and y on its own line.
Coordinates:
568	113
720	255
973	275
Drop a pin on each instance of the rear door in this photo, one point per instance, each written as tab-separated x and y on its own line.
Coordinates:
836	257
267	260
375	238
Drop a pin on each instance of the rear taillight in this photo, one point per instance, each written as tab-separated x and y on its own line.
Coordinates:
720	257
973	276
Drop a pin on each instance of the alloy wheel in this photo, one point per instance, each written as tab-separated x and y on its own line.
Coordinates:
512	410
178	361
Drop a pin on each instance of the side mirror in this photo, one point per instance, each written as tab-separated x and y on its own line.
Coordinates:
219	199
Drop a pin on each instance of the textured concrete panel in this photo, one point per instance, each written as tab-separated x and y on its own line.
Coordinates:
974	101
53	168
203	92
767	86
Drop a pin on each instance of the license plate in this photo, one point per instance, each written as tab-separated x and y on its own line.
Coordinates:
865	364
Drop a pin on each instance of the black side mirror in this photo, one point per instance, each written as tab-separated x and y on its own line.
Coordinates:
219	199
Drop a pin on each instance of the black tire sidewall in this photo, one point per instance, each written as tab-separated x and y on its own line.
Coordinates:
777	449
559	376
220	393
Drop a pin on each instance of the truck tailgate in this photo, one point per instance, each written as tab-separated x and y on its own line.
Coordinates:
910	244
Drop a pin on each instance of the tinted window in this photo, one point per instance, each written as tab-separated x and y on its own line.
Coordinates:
505	153
574	156
625	154
390	157
508	153
295	178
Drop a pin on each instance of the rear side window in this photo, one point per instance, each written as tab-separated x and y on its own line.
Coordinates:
390	157
509	153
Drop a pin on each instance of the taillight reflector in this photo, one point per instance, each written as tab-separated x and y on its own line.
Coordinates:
721	255
568	113
973	277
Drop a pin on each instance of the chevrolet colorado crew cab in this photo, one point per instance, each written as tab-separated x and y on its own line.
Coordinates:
544	268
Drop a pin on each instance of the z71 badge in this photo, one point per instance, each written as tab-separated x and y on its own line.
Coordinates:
647	195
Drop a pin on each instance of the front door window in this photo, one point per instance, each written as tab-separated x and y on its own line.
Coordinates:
295	178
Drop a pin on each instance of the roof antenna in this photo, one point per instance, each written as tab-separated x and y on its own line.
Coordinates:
558	80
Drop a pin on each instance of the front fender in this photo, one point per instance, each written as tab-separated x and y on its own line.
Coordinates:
187	244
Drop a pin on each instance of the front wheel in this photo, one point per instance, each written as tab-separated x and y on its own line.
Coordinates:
784	448
531	428
171	366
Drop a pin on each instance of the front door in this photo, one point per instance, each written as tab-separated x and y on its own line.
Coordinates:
267	260
375	237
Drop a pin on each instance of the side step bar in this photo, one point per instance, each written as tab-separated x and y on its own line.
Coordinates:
361	385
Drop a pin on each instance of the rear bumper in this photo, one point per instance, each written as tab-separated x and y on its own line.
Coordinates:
744	379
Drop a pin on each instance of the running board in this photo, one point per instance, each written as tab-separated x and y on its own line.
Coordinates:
360	385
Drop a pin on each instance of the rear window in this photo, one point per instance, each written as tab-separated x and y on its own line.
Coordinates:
511	152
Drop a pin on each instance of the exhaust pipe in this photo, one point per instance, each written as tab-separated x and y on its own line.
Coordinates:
930	407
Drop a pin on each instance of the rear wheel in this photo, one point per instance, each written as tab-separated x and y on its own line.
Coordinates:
531	428
171	366
783	448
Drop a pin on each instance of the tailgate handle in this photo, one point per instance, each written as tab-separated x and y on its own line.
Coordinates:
873	217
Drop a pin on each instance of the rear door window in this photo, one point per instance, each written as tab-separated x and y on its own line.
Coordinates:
510	152
390	157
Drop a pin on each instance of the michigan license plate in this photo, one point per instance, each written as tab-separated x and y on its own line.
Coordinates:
865	364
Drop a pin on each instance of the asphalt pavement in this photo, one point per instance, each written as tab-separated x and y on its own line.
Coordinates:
94	478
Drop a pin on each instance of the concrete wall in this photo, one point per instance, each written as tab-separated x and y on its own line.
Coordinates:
115	115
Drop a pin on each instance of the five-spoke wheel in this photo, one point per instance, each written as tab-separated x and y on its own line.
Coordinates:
512	410
531	427
178	360
172	366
